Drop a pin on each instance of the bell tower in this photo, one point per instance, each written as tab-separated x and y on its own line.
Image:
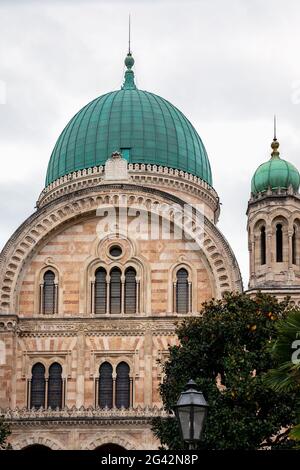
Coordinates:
274	228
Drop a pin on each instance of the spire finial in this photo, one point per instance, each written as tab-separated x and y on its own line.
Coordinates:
275	143
129	62
129	35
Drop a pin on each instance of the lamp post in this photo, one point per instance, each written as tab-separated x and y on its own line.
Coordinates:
191	411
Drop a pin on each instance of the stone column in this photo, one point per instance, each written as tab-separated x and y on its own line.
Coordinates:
122	294
290	249
107	294
93	297
80	348
148	360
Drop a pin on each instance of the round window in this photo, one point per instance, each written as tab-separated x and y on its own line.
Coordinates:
115	251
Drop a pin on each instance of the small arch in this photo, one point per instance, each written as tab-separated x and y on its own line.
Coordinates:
36	447
111	448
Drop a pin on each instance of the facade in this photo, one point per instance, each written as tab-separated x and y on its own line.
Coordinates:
123	244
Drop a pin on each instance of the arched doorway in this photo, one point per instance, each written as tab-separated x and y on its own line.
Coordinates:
38	447
110	448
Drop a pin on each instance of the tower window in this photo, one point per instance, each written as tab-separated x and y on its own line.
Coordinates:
294	246
130	291
279	247
49	293
123	386
105	398
263	245
115	291
182	291
38	386
100	291
55	386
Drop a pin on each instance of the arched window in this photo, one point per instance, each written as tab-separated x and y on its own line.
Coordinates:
263	245
105	386
123	386
55	386
182	291
279	247
100	291
115	291
294	246
49	294
130	290
38	386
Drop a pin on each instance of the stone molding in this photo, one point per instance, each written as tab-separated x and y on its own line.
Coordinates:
19	444
138	173
34	231
82	415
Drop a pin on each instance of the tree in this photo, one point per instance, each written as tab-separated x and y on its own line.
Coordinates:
286	352
226	351
4	433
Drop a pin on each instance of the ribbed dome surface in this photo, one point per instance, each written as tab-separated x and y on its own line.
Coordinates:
275	173
143	126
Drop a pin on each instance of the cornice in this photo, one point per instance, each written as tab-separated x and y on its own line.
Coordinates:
80	416
139	174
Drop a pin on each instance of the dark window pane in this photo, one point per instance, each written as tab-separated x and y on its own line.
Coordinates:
100	292
123	386
263	245
49	293
105	398
38	386
115	291
130	291
279	250
182	291
55	386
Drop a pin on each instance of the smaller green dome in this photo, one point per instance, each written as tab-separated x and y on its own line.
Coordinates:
274	174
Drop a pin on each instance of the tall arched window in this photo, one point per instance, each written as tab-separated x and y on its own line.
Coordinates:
130	290
100	291
182	291
49	294
294	246
115	291
38	386
263	245
105	398
123	386
55	386
279	247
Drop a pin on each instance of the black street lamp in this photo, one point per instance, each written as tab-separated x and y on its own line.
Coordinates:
191	410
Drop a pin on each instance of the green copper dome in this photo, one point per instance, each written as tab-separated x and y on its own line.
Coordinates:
276	173
144	127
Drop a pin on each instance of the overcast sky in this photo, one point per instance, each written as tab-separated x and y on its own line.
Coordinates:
227	65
